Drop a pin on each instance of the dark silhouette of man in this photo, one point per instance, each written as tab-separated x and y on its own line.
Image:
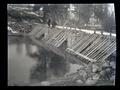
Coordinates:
49	22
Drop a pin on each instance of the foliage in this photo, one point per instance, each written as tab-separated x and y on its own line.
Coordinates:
61	14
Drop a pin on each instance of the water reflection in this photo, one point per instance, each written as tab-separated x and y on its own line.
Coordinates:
49	66
19	66
58	66
28	63
21	48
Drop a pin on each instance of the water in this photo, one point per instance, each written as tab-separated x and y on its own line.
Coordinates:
19	64
29	64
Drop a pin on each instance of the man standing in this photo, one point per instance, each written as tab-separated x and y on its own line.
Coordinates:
49	22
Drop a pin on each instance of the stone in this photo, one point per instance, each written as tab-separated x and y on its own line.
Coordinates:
90	81
106	64
79	81
102	73
113	65
112	78
94	68
96	77
82	73
108	70
45	83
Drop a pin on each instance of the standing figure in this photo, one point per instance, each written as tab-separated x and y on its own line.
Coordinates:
49	22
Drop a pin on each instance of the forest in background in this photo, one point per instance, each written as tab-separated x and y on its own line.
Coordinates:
72	15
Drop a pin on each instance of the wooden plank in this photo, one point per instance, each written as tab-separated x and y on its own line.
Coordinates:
56	39
103	48
87	42
109	54
94	44
53	37
62	39
106	51
81	42
92	60
78	38
84	41
97	47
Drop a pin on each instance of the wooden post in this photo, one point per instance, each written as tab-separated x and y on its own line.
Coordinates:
71	38
110	32
46	32
69	41
102	32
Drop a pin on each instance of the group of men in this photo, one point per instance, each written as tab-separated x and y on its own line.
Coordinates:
51	24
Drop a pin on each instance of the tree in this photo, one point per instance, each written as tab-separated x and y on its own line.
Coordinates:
57	12
107	19
83	13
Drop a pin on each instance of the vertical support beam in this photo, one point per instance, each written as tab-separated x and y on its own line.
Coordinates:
71	38
46	32
110	32
102	32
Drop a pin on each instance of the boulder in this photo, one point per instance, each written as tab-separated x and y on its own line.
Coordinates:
108	70
79	81
94	68
45	83
96	77
82	73
106	64
112	78
113	65
90	81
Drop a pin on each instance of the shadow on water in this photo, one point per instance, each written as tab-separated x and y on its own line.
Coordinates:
48	66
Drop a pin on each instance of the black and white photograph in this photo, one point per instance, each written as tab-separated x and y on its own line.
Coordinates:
61	44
